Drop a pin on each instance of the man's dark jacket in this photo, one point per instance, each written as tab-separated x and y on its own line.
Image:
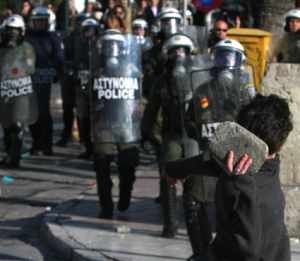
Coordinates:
250	212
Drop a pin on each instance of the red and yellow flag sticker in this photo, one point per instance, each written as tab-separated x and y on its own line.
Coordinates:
204	102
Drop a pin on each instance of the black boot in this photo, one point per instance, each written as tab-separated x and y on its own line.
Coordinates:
104	186
198	227
169	208
15	146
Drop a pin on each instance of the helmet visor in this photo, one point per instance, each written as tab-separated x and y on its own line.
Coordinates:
170	26
89	31
227	58
111	48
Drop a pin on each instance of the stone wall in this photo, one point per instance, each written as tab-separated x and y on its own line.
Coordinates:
284	80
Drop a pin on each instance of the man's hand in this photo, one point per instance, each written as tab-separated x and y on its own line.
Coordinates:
241	167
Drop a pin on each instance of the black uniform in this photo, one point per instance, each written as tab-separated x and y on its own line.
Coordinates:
218	95
49	62
116	114
167	102
68	88
18	105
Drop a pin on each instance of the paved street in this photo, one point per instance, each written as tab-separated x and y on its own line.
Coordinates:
41	184
131	236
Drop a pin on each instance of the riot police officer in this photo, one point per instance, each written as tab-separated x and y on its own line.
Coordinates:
72	55
116	114
218	93
153	66
288	49
171	97
49	64
89	33
169	22
18	106
140	29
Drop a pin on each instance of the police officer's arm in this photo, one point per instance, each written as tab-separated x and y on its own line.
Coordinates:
181	168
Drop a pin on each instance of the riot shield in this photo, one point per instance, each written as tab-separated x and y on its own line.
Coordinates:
116	107
216	98
180	83
199	36
18	102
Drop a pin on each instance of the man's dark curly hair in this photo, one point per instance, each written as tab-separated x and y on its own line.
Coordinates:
269	118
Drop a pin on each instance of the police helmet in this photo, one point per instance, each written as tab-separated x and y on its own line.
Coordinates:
170	20
294	13
80	18
90	22
40	12
40	18
179	40
15	21
170	13
229	53
90	27
139	23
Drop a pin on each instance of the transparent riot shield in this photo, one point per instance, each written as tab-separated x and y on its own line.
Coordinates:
216	98
199	36
18	102
116	107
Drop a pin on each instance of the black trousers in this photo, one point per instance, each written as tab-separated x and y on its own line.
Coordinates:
127	161
13	139
68	90
42	130
199	225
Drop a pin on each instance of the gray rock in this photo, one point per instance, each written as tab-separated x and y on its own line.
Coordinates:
232	136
